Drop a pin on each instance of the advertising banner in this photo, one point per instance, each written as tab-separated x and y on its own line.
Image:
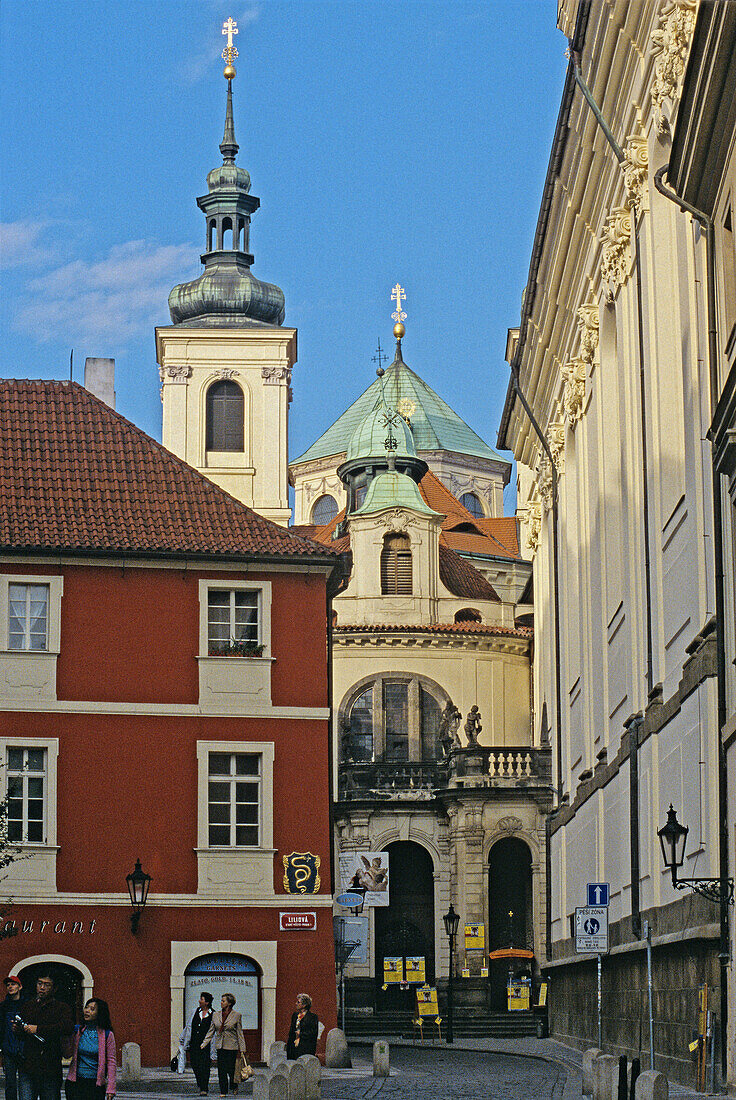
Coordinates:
393	969
475	937
427	1002
366	870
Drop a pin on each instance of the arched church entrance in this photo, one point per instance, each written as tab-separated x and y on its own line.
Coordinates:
405	927
227	973
510	917
68	983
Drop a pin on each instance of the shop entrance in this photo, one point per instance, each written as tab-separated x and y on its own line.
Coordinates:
405	927
68	985
509	911
227	973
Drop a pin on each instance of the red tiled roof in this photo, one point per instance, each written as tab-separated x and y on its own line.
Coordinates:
462	578
437	628
494	537
75	475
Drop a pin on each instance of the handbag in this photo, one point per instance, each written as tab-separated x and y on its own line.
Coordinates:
174	1063
243	1068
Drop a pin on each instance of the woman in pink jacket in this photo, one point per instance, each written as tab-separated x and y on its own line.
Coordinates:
92	1072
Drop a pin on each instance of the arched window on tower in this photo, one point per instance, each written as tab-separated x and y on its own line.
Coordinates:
224	417
227	233
211	227
325	509
473	505
396	566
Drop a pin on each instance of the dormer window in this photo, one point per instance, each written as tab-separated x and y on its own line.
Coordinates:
396	578
224	431
473	505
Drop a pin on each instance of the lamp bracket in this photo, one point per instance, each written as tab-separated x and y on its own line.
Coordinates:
709	888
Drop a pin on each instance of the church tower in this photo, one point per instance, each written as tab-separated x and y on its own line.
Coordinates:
225	361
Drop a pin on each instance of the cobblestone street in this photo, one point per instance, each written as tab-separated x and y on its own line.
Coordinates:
454	1075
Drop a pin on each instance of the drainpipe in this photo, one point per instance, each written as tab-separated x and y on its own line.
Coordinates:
723	949
633	742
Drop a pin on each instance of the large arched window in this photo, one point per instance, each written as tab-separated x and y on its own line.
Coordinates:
473	505
396	566
395	717
325	510
225	417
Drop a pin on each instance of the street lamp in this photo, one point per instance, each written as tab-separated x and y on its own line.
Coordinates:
138	883
452	920
672	838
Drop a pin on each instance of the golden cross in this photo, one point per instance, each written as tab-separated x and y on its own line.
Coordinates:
229	27
398	295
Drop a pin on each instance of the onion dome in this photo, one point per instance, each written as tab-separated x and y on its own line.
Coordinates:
369	439
227	293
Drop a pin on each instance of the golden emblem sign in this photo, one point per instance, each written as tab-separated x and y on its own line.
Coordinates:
301	873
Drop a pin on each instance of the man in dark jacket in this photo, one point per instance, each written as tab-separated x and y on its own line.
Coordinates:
46	1024
11	1045
303	1031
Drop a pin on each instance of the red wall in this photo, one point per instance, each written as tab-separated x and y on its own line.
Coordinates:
130	635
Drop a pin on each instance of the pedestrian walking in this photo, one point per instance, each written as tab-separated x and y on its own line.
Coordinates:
11	1044
201	1059
304	1029
93	1068
46	1025
227	1026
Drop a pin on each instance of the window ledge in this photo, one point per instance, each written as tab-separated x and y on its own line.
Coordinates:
234	682
232	657
28	673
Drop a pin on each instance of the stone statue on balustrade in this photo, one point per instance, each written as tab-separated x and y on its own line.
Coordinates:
450	720
473	727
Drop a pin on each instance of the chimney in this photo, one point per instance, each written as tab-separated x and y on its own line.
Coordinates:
99	379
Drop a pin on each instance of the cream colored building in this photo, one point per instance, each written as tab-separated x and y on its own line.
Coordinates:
611	355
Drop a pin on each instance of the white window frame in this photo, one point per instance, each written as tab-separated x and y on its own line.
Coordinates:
232	778
262	588
51	746
55	586
264	749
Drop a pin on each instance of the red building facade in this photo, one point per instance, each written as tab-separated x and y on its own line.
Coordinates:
164	696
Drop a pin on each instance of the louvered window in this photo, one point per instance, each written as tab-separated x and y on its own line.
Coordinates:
225	415
396	566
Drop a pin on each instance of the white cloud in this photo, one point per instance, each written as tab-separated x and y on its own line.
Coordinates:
203	62
118	297
19	244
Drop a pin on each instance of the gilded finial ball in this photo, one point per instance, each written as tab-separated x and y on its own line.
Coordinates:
380	372
399	330
229	72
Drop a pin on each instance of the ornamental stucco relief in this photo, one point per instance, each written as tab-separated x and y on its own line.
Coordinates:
615	260
670	45
531	517
588	325
556	440
272	376
225	373
635	165
573	374
510	824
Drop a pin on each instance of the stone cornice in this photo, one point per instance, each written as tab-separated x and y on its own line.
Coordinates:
413	638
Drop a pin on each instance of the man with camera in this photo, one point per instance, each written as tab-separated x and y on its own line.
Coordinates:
46	1026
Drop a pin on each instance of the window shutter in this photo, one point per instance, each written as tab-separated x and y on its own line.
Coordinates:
396	570
225	429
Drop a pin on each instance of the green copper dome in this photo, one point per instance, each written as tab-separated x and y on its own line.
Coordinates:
227	293
369	438
393	490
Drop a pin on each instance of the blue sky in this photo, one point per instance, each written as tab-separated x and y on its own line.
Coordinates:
387	141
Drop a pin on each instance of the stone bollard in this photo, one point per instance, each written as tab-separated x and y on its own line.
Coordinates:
621	1085
589	1057
337	1055
298	1082
131	1062
278	1088
380	1058
276	1054
652	1086
261	1081
605	1076
313	1070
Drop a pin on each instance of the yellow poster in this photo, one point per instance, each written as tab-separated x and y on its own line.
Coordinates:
415	969
543	995
393	969
475	937
427	1002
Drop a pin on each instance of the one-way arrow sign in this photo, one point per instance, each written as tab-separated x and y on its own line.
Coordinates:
598	893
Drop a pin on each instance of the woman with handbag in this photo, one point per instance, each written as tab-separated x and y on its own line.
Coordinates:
93	1068
229	1043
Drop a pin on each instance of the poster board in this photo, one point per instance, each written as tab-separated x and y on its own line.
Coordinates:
393	969
427	1003
416	971
475	937
366	870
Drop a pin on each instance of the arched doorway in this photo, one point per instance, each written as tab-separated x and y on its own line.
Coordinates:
510	918
68	983
227	973
406	925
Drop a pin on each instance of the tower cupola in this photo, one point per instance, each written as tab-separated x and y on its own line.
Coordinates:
227	293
